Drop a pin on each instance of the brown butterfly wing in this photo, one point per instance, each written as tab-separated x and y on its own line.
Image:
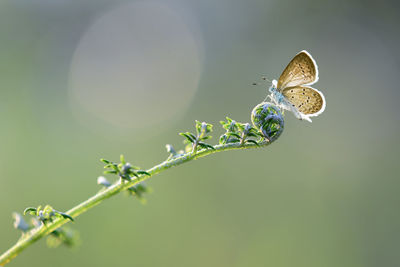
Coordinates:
305	99
301	70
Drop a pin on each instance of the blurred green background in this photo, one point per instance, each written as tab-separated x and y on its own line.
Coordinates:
83	80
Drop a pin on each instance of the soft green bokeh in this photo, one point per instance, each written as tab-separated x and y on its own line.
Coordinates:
325	194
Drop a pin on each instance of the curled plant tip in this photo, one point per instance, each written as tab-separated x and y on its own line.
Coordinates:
19	222
101	180
30	210
268	119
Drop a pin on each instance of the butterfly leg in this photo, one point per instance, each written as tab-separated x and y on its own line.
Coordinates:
268	96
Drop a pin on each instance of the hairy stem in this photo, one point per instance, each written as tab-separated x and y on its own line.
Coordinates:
37	233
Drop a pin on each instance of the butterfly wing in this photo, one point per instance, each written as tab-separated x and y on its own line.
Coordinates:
301	70
306	100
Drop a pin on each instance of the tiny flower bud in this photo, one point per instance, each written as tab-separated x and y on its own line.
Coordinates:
103	181
19	222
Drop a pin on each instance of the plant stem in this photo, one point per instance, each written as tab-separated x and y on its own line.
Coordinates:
35	234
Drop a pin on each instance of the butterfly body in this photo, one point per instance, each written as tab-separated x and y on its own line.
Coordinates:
293	92
276	95
282	102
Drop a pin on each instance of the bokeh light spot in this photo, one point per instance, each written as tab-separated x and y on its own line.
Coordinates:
136	66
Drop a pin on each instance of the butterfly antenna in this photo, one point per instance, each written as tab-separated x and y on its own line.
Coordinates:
265	79
262	78
268	96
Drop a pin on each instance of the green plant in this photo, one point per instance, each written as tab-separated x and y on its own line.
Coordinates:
267	126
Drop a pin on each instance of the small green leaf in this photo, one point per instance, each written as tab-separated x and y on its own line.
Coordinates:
229	138
198	127
208	127
204	145
252	142
31	211
135	168
222	139
233	134
115	167
65	216
122	159
241	126
250	134
233	139
129	178
143	172
105	161
188	137
110	172
229	121
191	135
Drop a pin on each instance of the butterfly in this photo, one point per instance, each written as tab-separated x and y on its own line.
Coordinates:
293	92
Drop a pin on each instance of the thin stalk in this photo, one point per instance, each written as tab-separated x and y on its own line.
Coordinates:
37	233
